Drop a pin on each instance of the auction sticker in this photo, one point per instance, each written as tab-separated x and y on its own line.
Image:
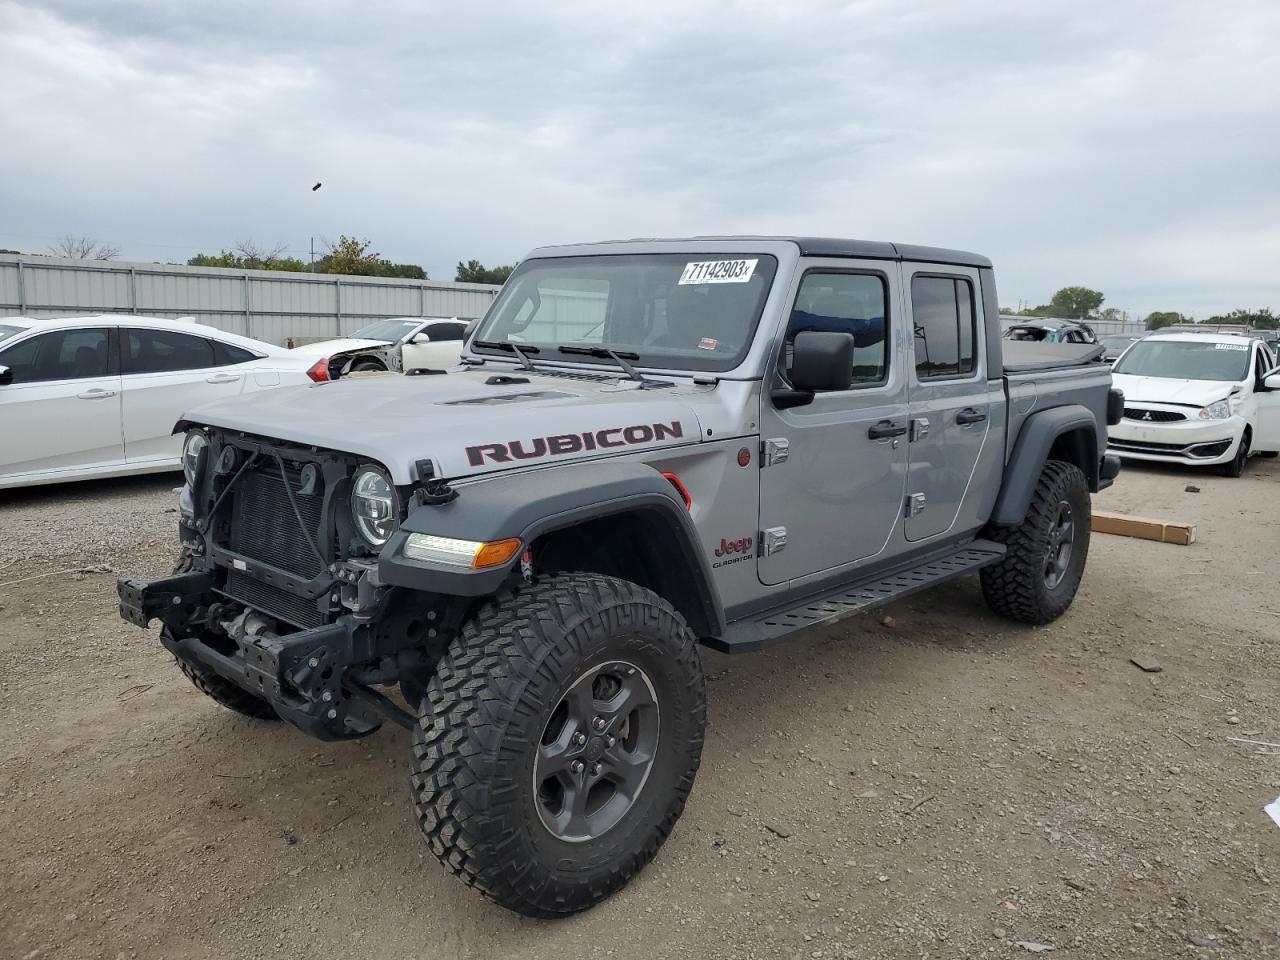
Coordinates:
1216	346
718	271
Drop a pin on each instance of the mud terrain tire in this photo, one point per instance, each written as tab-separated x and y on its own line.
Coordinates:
1036	581
484	736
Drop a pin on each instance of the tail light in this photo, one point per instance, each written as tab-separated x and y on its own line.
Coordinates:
680	489
319	371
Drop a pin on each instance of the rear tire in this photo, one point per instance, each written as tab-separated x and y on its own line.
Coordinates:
1045	554
365	365
498	767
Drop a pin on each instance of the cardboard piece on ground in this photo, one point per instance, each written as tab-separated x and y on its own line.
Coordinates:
1163	531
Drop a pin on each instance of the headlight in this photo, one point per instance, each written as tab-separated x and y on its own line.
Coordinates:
195	444
375	508
1216	411
468	554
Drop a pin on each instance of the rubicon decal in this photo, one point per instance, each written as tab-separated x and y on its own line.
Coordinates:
733	551
563	443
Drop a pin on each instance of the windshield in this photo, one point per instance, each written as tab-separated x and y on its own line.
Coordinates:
1180	360
690	311
8	330
388	331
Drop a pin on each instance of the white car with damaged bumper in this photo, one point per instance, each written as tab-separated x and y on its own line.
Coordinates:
1197	399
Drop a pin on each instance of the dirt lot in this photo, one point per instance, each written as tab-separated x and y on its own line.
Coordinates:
951	786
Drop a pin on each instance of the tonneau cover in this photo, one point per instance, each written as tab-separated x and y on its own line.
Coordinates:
1028	356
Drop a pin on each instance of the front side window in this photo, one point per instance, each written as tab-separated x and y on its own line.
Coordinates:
945	333
60	355
691	311
165	351
441	332
852	303
1186	360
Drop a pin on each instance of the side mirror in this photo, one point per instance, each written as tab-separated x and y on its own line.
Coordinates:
1271	381
822	361
819	361
6	376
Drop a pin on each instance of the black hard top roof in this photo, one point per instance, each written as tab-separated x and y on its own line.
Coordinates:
883	250
817	247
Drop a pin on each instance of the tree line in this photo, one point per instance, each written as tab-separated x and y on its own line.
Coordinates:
1082	303
346	255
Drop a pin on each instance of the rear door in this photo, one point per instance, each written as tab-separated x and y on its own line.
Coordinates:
951	399
62	409
166	372
833	471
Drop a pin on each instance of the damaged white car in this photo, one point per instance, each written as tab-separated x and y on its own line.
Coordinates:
1197	399
397	344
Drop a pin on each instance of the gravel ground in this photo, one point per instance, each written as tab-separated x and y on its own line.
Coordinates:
949	786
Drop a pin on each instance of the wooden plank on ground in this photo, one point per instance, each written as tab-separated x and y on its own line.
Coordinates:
1144	528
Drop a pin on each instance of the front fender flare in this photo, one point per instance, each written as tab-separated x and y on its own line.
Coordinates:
528	505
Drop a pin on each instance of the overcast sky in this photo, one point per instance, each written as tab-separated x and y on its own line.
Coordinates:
1132	147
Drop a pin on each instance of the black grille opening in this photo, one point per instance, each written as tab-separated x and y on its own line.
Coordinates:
264	526
1153	416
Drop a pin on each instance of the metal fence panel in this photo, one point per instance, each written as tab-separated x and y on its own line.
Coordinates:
270	305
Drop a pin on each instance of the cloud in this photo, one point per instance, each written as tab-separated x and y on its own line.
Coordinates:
1128	147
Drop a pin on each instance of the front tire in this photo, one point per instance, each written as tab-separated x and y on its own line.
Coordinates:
558	741
1045	554
1235	466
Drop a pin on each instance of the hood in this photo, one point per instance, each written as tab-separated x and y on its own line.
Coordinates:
1189	393
463	424
327	348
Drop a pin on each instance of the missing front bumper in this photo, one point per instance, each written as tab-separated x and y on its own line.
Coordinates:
303	675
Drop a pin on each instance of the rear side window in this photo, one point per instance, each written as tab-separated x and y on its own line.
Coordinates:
226	354
165	351
440	332
853	303
60	355
945	332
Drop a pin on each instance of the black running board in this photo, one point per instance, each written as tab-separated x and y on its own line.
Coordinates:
754	632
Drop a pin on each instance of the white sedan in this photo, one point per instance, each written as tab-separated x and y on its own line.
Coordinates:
85	397
1197	398
398	344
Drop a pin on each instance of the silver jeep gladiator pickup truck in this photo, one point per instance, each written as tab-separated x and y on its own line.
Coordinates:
650	445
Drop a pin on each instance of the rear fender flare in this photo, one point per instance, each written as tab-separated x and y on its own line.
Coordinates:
1031	452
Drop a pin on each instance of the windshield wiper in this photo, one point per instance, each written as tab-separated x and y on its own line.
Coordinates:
620	357
510	348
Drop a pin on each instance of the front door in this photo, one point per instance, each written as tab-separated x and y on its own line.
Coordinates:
1267	429
951	401
833	471
62	409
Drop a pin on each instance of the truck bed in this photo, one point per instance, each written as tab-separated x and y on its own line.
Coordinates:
1029	356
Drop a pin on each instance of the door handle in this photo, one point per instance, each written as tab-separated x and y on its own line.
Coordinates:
970	415
886	429
222	378
97	393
